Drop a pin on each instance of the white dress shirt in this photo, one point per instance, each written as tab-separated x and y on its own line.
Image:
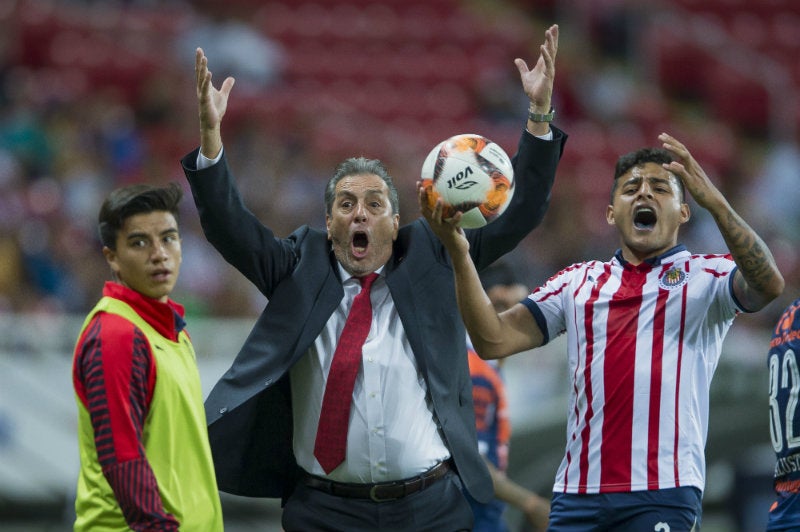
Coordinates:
393	432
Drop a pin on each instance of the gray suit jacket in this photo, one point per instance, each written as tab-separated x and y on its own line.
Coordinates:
249	410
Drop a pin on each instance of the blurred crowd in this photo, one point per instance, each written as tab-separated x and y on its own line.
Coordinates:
98	94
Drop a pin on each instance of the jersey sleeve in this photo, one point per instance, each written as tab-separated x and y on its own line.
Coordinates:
114	377
546	304
720	270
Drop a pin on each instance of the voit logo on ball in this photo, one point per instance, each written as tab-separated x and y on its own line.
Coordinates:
461	180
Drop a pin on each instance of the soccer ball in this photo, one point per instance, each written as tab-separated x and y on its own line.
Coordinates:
471	174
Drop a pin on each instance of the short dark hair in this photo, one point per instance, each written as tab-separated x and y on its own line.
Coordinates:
638	158
356	166
124	202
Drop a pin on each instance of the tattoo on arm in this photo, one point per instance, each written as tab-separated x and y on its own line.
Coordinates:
756	263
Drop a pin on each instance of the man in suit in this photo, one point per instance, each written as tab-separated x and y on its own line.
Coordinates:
410	447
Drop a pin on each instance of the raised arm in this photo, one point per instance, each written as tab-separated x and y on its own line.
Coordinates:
238	235
212	105
493	335
538	81
757	280
535	163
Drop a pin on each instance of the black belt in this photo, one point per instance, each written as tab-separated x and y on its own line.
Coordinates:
383	491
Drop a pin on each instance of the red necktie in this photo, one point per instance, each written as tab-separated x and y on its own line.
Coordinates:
329	449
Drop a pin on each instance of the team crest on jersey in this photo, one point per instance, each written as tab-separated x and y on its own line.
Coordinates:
673	278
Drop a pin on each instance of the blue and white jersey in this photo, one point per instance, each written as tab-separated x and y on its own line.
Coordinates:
783	361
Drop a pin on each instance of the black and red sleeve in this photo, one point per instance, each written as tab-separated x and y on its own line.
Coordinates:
114	376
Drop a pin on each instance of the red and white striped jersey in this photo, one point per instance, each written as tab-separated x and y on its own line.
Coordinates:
643	344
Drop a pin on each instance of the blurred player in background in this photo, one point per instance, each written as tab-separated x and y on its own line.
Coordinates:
644	335
492	421
145	459
783	361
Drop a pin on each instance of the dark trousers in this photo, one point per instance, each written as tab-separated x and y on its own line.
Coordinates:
441	507
667	510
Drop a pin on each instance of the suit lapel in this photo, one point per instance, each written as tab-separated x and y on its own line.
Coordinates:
403	294
329	297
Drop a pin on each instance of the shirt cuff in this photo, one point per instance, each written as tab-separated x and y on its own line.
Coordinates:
204	162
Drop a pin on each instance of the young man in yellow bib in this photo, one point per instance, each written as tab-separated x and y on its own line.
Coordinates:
145	458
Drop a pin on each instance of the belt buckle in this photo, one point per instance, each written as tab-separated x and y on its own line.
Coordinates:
374	497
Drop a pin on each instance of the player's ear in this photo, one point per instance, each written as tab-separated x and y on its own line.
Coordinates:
686	213
610	214
328	225
111	259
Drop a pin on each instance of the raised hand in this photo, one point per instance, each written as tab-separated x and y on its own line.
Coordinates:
757	281
212	105
688	170
538	81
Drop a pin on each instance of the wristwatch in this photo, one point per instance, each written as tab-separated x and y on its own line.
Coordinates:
539	117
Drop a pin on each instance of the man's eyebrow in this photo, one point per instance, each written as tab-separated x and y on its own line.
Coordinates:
665	180
142	234
344	194
368	191
657	179
136	234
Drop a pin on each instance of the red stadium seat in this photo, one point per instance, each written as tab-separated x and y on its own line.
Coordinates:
737	99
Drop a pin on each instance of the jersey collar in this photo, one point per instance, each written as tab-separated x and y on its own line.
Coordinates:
667	256
166	318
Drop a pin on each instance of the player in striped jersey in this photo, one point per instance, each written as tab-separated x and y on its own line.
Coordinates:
784	420
644	334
